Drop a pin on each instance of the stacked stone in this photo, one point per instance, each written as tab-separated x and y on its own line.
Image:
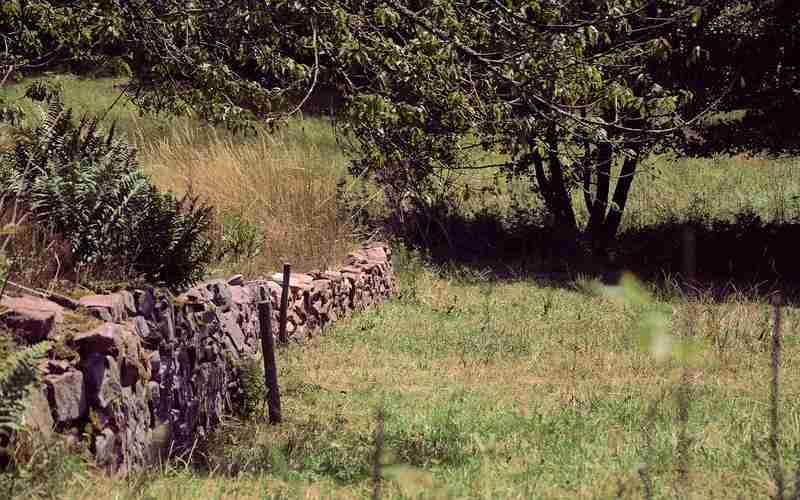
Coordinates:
151	372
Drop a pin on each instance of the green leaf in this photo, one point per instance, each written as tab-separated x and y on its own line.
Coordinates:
652	322
18	375
697	15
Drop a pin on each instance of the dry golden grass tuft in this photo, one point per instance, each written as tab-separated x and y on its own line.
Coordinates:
31	253
284	189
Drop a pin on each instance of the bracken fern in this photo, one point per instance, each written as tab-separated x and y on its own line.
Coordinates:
88	186
18	374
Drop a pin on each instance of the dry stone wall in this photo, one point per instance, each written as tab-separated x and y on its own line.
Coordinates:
135	374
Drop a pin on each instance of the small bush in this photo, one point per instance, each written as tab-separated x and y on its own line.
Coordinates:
39	468
240	448
87	186
310	448
239	239
251	376
441	440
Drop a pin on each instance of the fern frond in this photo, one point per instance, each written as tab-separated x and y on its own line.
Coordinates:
18	375
89	187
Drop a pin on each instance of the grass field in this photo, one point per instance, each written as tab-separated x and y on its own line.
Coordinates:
505	390
516	388
673	189
282	187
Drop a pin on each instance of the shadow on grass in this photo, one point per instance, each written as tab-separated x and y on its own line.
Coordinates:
718	256
743	255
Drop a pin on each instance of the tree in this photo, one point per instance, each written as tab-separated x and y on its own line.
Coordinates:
232	62
568	92
750	52
573	93
36	35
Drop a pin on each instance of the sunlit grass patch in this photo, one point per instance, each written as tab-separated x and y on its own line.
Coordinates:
98	97
283	186
721	187
576	414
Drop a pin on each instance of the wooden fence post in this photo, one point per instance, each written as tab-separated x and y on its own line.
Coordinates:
287	271
270	368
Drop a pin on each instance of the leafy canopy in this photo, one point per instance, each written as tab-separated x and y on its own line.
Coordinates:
750	54
571	94
564	91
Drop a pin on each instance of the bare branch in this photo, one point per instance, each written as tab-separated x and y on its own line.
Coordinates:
316	74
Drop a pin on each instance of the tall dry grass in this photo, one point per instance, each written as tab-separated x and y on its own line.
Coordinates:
282	184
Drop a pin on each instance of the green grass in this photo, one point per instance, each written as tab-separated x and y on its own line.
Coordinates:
503	390
668	189
103	97
95	96
699	189
513	389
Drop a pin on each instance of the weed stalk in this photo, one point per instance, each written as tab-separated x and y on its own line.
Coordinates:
376	459
796	492
684	442
647	482
644	470
684	399
774	417
7	277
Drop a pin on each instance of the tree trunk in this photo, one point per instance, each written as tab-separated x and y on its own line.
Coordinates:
588	199
554	191
614	218
561	197
561	193
597	215
604	220
542	181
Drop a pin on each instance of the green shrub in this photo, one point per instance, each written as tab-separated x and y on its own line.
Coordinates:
40	468
240	238
251	376
88	186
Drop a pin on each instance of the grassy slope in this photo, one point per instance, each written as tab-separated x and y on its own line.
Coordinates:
284	185
674	189
96	96
721	187
664	188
